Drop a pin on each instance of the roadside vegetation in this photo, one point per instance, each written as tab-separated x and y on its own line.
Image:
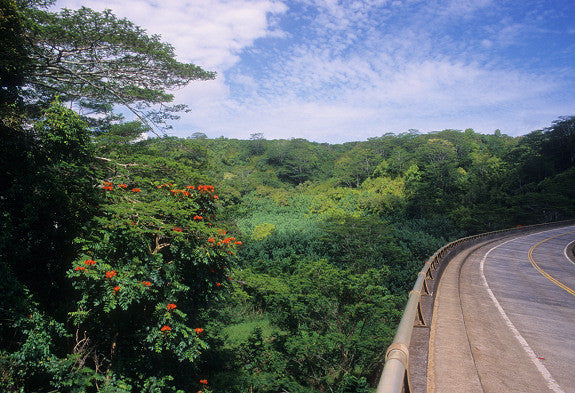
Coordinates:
218	265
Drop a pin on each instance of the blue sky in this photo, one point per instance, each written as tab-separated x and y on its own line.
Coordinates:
338	71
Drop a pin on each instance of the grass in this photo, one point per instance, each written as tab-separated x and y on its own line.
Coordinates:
239	332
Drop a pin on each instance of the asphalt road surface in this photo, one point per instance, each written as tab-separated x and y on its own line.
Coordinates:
504	317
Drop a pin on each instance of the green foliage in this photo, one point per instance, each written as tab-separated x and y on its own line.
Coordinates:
118	274
47	194
150	261
64	135
263	230
331	317
97	60
13	56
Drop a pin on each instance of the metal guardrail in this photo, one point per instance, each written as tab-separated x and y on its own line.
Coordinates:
395	375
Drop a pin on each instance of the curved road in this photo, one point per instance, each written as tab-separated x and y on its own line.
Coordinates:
504	317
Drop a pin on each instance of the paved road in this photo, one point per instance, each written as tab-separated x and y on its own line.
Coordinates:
504	318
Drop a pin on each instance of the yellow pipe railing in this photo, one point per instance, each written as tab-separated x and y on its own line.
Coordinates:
395	375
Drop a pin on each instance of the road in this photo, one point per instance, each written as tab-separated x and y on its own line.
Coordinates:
504	318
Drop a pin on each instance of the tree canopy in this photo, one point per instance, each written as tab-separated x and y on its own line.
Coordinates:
171	265
96	60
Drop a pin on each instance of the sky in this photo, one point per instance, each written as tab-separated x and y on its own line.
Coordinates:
340	71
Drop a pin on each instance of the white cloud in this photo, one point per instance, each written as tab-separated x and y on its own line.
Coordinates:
350	70
209	33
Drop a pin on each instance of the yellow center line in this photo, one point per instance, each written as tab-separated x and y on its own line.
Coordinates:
543	272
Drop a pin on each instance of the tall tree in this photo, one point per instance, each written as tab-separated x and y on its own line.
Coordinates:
13	58
97	60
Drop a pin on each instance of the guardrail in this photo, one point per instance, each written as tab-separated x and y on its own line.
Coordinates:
395	377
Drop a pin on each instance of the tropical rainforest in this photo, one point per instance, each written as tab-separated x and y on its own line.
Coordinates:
166	264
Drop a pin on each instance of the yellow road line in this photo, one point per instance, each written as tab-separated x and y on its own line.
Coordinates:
543	272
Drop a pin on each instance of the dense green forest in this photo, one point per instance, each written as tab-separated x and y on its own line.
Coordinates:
218	265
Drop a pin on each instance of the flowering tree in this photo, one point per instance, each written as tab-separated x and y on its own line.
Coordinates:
152	260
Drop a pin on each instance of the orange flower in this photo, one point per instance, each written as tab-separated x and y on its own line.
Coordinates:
171	306
211	240
215	197
218	284
165	328
80	268
204	381
198	330
238	243
146	283
136	190
122	185
89	262
177	229
110	274
116	288
190	187
196	217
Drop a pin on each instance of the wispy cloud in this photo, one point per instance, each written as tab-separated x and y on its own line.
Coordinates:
210	33
348	70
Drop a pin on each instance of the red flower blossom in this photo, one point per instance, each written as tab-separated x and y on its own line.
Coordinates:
238	243
204	381
196	217
206	188
136	190
177	229
108	186
211	240
215	197
198	330
80	268
165	328
171	306
190	187
110	274
146	283
122	185
218	284
116	288
89	262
